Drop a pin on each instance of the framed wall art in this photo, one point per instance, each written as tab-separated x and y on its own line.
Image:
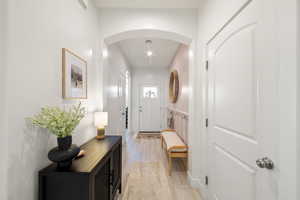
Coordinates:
74	72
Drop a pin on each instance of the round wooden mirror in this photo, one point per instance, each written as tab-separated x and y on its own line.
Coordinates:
174	86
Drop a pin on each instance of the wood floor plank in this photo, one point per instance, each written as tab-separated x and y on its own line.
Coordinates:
145	175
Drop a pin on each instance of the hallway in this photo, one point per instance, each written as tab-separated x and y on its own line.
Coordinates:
221	78
145	172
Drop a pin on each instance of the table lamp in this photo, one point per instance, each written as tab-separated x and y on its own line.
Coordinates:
100	121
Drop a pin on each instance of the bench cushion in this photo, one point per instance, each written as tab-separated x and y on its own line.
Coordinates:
172	141
168	132
179	150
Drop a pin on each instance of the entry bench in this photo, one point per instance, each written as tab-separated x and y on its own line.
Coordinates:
174	146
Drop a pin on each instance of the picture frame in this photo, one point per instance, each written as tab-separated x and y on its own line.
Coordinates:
74	76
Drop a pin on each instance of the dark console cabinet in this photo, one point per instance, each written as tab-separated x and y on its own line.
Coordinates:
96	176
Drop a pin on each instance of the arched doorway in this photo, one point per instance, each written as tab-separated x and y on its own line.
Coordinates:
153	33
167	35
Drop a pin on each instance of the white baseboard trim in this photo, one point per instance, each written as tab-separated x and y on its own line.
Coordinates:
203	191
196	183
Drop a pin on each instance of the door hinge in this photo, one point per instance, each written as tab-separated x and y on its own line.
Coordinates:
206	65
206	122
206	180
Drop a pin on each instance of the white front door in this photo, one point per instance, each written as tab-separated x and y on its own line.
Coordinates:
149	108
242	99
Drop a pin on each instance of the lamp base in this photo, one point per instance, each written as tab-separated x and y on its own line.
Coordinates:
100	137
100	134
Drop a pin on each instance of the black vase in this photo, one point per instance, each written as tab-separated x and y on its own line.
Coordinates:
63	158
64	143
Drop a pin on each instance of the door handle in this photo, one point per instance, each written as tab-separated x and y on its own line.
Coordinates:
266	163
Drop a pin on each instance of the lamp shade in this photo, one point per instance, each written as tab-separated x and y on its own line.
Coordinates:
100	119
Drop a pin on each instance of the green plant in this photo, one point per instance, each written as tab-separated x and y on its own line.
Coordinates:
58	121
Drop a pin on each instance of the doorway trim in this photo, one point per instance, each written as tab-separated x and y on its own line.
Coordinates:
195	100
144	33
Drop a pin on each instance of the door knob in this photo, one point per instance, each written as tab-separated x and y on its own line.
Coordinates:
265	163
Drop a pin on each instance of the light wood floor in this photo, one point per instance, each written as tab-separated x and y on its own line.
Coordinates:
145	173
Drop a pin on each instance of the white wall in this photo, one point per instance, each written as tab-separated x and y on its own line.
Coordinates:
212	16
148	76
115	65
2	98
37	30
180	63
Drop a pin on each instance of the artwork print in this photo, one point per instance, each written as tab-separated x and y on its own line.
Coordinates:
74	76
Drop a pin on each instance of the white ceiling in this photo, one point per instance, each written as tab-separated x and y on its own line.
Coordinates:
147	3
135	52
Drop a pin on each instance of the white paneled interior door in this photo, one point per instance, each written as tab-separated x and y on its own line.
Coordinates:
117	105
149	108
122	103
242	100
